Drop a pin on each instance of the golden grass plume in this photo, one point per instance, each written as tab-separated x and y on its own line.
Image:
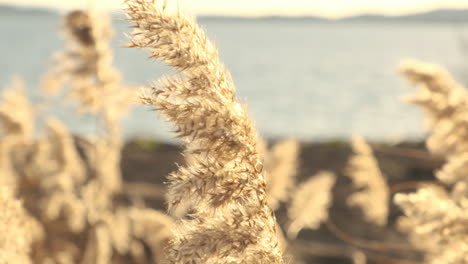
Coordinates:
437	218
310	203
223	181
281	164
373	195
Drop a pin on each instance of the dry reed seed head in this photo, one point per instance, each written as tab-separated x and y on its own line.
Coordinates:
79	25
8	174
436	223
281	168
446	138
459	193
60	184
310	203
113	231
78	197
59	204
223	179
445	102
39	162
65	153
17	112
454	170
437	220
86	64
262	150
104	160
17	127
373	195
283	242
218	240
52	82
68	188
359	257
16	229
98	247
153	227
178	101
173	38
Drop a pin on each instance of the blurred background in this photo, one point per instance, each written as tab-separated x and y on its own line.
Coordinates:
313	70
318	71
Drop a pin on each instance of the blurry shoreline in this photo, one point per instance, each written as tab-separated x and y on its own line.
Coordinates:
146	163
150	161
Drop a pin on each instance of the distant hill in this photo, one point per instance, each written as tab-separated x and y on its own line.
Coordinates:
436	16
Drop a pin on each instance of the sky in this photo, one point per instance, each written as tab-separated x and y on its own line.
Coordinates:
327	8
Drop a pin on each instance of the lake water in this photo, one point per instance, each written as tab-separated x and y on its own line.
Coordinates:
304	79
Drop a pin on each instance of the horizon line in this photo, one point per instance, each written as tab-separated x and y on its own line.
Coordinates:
265	15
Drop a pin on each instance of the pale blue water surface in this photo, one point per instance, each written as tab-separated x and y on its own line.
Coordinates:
304	79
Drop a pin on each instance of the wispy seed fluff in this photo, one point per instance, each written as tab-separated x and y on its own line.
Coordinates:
436	218
437	222
310	203
373	195
16	112
281	167
446	105
16	129
16	230
222	182
85	65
